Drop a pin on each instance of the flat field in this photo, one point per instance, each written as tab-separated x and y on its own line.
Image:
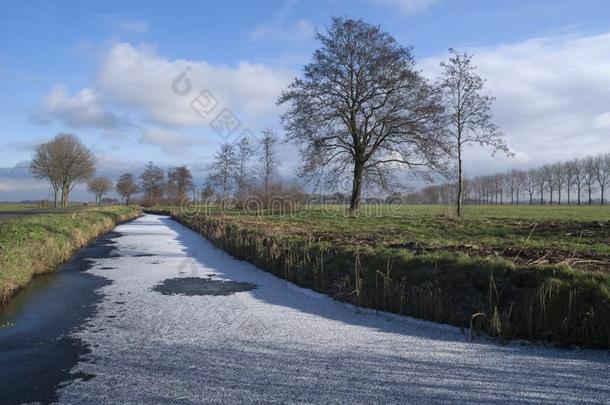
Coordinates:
5	207
575	236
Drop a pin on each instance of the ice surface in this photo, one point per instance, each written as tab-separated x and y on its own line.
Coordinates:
281	343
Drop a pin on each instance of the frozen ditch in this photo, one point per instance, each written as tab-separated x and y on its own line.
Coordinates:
184	322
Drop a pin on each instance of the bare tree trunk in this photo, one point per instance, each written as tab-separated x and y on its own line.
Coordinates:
64	197
356	185
603	189
460	183
590	198
579	193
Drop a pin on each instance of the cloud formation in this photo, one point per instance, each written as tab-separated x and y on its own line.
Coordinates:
553	97
139	79
173	143
84	109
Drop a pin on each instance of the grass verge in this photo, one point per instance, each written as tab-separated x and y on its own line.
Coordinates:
37	244
363	264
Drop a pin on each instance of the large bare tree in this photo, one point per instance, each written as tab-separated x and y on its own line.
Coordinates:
468	111
362	109
126	186
46	165
99	186
65	162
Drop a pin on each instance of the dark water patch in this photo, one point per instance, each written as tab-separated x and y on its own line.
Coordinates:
143	255
36	350
107	268
201	286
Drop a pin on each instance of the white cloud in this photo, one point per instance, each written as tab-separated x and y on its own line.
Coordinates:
84	109
173	143
406	6
553	97
138	78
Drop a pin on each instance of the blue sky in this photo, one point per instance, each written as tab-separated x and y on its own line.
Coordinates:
104	71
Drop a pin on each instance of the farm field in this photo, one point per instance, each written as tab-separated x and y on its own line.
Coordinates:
6	207
10	211
575	236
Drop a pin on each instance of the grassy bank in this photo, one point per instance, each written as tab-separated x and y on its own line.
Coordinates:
40	243
538	273
5	207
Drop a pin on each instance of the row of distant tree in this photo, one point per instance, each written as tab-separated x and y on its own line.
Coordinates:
65	161
577	181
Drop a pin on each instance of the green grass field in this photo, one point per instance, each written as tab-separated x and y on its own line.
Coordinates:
575	236
16	207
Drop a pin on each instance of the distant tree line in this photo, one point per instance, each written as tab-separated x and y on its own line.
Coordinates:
65	162
245	174
575	181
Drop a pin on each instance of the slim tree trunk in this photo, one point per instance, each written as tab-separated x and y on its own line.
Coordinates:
356	185
460	183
